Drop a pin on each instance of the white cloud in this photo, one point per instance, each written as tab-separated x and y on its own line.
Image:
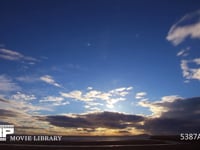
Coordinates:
49	79
187	27
197	61
89	88
111	97
21	105
15	56
60	103
54	100
159	107
140	95
91	106
188	72
23	97
7	85
77	95
121	91
183	52
178	32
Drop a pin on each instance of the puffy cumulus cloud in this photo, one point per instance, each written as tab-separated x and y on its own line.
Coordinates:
181	30
49	80
15	56
158	107
172	115
23	97
140	95
54	100
182	116
189	72
7	85
111	97
95	121
77	95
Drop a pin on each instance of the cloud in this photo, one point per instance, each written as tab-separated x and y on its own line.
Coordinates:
15	56
49	79
111	120
16	113
7	113
55	101
188	72
21	103
176	115
111	97
183	52
89	88
140	95
101	123
52	99
27	79
23	97
180	116
7	85
158	107
179	32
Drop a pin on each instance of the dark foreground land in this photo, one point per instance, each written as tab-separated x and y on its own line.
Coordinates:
147	144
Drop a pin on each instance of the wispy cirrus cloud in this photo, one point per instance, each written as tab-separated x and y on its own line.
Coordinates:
49	80
27	79
178	32
15	56
7	84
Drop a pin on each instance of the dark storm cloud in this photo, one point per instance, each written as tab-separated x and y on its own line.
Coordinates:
94	120
183	116
65	121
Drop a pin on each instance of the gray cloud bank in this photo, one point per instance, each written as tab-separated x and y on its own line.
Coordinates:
180	116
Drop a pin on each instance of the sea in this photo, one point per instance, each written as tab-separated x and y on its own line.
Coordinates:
102	138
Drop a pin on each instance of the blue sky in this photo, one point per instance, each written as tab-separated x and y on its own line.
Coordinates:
93	56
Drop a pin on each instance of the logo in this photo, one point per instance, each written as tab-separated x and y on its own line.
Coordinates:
5	130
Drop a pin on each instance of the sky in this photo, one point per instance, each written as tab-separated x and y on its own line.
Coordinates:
100	67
